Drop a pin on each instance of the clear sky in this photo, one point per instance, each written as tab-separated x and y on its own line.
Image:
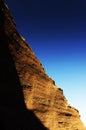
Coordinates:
56	31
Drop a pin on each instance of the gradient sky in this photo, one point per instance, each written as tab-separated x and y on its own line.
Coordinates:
56	31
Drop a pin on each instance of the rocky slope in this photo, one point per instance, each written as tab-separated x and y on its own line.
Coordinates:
41	96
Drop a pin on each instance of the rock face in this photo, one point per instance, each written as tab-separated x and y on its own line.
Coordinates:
26	86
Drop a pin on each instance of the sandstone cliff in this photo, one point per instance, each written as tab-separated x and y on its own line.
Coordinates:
41	96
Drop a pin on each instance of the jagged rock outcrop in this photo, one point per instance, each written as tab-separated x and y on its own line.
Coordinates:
41	97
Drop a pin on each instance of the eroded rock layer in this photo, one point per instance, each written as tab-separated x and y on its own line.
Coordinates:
41	95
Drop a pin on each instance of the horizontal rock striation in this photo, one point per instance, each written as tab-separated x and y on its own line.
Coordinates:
41	95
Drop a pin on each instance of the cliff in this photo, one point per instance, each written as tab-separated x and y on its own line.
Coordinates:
26	88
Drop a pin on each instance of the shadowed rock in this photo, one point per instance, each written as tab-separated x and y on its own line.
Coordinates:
13	112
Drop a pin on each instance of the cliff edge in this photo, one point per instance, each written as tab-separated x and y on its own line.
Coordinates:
39	94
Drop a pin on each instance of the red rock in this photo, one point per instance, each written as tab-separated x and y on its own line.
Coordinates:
41	95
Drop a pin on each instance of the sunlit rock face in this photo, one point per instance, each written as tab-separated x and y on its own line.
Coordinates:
41	95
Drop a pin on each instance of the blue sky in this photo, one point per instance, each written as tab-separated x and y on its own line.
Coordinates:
56	31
